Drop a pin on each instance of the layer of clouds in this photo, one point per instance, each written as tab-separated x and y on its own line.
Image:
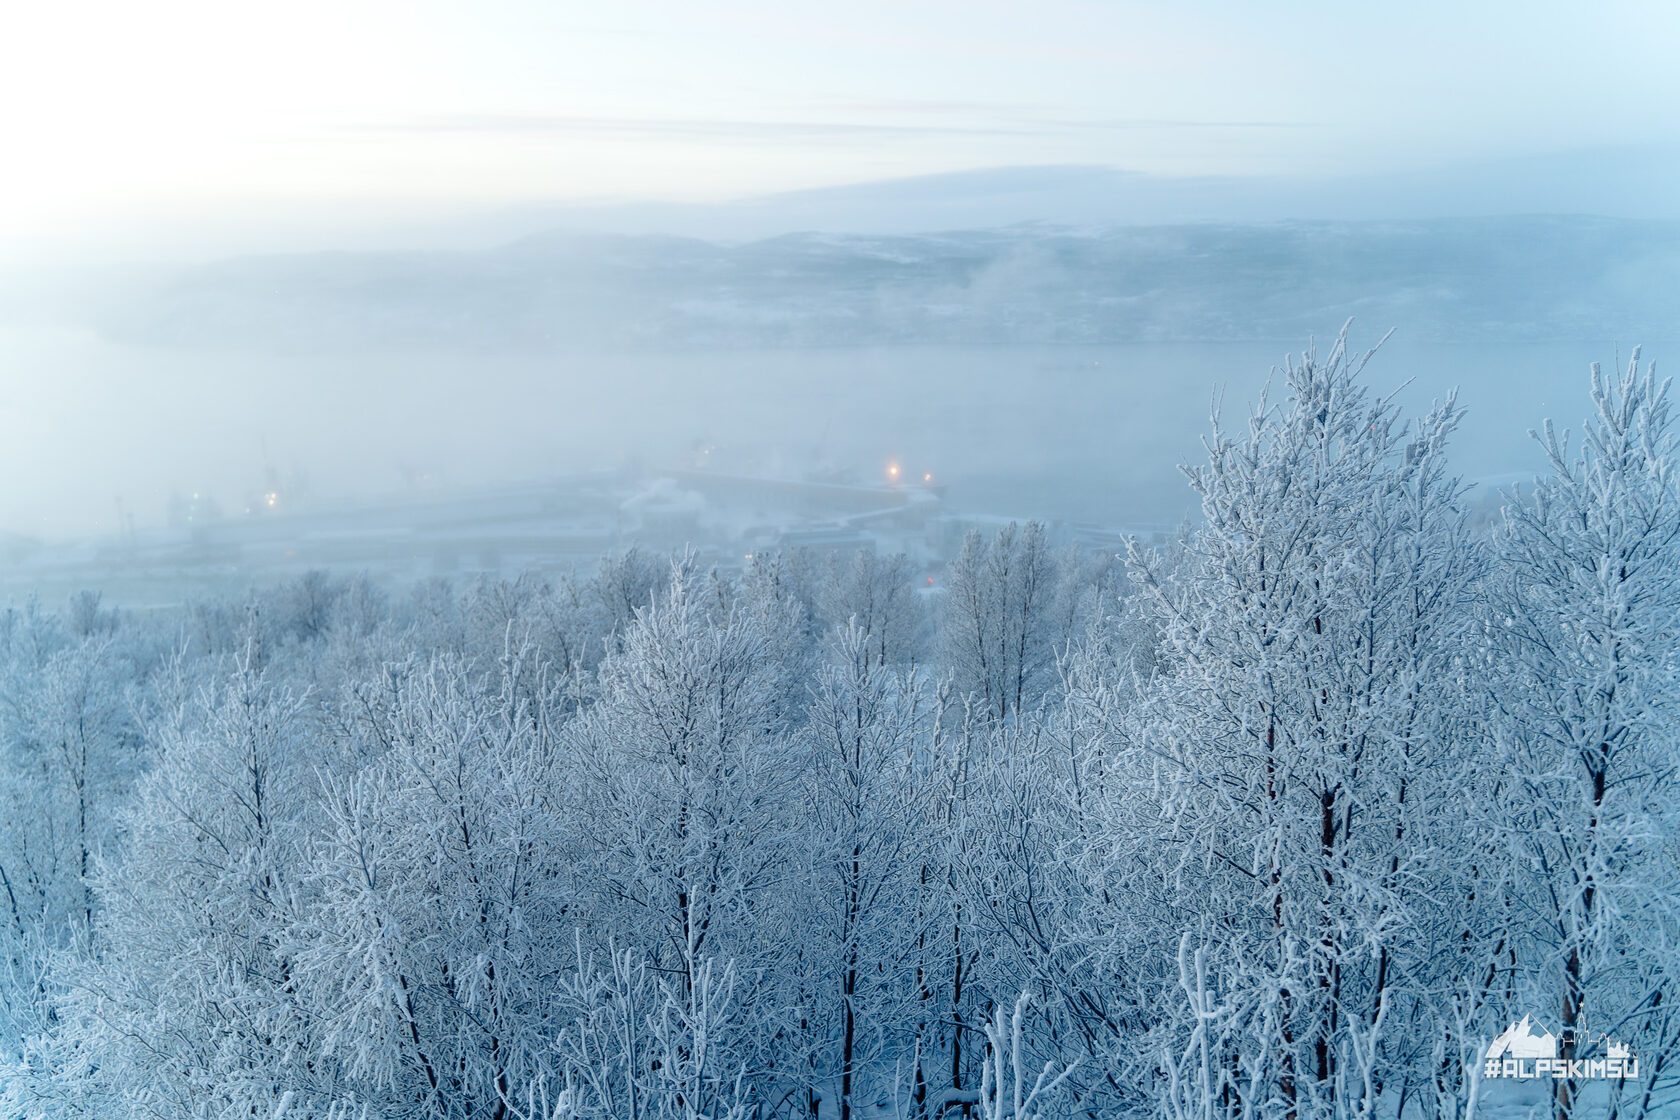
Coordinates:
772	131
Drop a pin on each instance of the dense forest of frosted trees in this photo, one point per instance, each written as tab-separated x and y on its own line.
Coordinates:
1285	820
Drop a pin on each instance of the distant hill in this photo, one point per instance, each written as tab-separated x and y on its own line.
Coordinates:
1529	278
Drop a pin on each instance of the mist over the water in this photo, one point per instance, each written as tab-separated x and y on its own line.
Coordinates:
1081	432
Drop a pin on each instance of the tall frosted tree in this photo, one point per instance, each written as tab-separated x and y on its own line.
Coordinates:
1304	713
866	847
682	778
995	631
69	750
442	923
878	594
1588	623
188	1004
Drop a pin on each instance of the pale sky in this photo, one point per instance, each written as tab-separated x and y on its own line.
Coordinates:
115	109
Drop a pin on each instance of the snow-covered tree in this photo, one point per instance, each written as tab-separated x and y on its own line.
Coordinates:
867	844
1305	718
682	781
877	594
69	753
188	1002
995	631
1588	629
443	913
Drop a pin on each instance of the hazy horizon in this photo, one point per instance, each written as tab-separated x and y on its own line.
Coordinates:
384	114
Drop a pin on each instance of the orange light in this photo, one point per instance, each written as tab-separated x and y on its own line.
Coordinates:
892	470
928	477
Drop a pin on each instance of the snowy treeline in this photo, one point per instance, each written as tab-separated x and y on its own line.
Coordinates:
1286	820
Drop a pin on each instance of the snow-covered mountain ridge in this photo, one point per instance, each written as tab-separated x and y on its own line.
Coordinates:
1535	277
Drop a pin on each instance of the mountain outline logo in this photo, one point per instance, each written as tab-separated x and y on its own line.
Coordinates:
1524	1039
